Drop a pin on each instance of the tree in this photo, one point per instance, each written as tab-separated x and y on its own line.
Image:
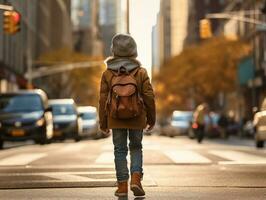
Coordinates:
80	84
199	73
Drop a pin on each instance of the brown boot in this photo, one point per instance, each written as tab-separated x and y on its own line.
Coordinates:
135	184
122	189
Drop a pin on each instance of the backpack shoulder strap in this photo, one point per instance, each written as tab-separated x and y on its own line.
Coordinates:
134	71
114	73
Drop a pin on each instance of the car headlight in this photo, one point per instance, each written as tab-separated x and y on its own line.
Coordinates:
40	122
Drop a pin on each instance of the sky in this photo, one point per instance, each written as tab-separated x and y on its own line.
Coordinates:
143	15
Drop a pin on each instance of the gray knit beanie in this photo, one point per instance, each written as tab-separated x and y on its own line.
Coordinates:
124	45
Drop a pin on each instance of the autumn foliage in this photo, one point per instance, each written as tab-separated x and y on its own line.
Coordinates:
81	84
199	74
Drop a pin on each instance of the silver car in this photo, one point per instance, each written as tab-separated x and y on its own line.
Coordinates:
89	120
179	125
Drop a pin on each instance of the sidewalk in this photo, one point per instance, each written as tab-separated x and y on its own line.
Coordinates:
234	140
152	193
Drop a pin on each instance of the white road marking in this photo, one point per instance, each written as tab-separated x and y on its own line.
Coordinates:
109	165
108	147
76	177
22	159
236	157
146	146
73	147
58	173
105	158
186	157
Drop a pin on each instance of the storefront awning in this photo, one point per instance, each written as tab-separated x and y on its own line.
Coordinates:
246	71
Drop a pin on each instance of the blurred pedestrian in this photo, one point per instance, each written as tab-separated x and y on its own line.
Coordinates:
127	107
199	118
223	124
233	125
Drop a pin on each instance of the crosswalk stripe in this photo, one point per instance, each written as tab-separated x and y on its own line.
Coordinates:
186	157
236	157
21	159
60	173
105	158
73	147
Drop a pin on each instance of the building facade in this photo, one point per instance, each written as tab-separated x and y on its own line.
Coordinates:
197	11
252	69
85	19
170	31
42	30
112	20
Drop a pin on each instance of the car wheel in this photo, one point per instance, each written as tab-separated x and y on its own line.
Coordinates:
77	137
260	144
1	144
44	139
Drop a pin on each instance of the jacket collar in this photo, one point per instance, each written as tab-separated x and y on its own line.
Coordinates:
114	63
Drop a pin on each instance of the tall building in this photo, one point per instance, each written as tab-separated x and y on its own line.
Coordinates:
85	21
170	32
197	11
45	26
53	25
155	50
112	20
179	25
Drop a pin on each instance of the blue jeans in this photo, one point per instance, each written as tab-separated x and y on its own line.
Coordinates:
120	151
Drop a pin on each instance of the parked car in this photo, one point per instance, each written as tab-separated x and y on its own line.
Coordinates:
66	119
89	121
260	125
179	125
25	115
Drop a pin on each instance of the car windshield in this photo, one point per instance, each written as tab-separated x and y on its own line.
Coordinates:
20	103
63	109
89	115
182	117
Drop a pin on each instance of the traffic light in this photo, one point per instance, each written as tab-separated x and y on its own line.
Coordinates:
205	29
11	22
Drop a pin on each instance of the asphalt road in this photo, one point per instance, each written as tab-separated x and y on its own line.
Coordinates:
174	168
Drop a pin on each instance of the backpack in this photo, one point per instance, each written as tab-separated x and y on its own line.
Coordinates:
124	100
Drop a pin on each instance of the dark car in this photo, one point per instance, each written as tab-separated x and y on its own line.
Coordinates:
25	115
66	119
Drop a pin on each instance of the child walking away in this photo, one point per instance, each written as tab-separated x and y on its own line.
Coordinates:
127	107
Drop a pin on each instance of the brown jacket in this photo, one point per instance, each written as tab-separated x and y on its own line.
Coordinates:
148	114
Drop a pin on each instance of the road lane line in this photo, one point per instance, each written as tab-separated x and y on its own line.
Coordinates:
74	178
58	173
236	157
73	147
22	159
186	157
105	158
